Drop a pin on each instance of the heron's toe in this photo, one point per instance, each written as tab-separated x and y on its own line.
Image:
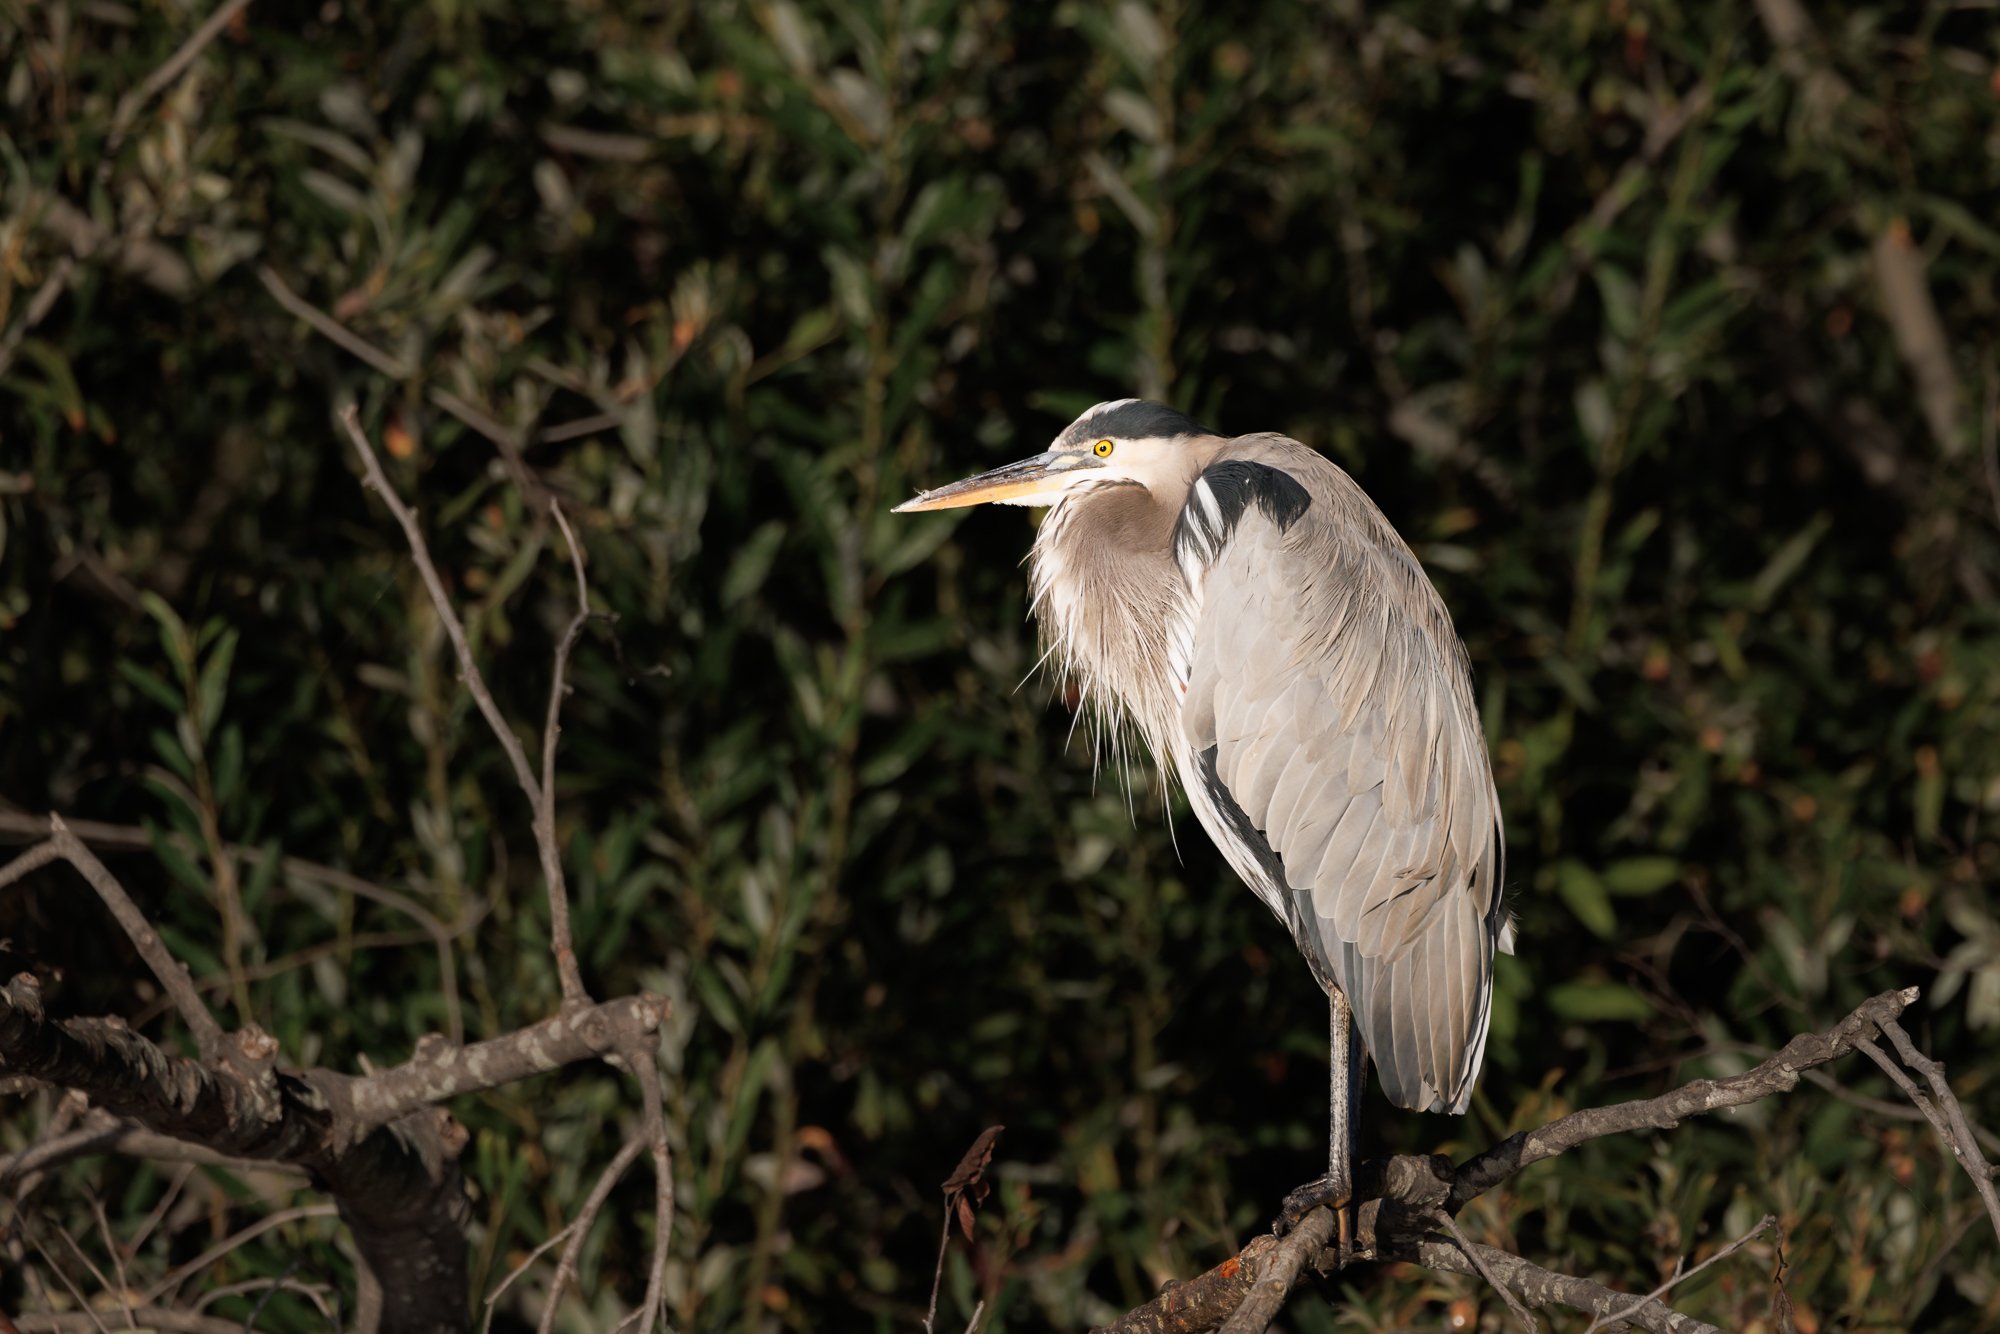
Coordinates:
1326	1191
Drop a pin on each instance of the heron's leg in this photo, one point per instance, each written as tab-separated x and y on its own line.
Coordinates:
1335	1190
1343	1093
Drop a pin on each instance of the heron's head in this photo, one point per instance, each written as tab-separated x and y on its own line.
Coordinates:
1129	442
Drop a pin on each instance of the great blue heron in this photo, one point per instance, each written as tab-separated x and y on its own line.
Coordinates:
1279	648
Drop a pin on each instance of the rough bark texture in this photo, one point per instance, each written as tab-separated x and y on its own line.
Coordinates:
1201	1303
387	1156
1400	1200
1537	1286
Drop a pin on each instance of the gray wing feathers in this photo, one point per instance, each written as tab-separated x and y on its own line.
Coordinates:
1326	675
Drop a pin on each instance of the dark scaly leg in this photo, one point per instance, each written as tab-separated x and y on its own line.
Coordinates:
1336	1189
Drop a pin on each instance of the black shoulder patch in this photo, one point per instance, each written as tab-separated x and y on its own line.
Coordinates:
1141	420
1218	498
1237	482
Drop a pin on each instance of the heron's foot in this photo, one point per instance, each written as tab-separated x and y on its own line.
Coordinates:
1327	1192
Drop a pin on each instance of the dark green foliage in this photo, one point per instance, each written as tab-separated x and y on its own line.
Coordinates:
1587	296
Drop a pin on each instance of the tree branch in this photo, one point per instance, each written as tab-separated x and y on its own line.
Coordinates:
545	840
1777	1075
65	845
1681	1275
1401	1198
1544	1287
1476	1254
101	1132
440	1071
1273	1285
1946	1115
149	1317
131	838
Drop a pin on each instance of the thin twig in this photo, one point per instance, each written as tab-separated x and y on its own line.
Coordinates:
102	1132
545	808
271	1289
173	1278
937	1278
506	439
39	305
130	105
640	1055
33	859
132	838
570	430
572	981
81	1300
151	1317
159	1213
127	110
1779	1074
1946	1115
579	1230
111	1248
1681	1275
331	329
1894	1111
1485	1272
171	975
103	1283
554	1240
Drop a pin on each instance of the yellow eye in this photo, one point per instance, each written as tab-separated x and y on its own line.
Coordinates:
1102	449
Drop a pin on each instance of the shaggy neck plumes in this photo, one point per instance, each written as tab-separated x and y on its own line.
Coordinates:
1108	594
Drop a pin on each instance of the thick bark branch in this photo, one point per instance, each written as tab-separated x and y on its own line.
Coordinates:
1274	1282
1537	1286
1401	1198
101	1132
386	1156
172	976
1201	1303
398	1187
440	1071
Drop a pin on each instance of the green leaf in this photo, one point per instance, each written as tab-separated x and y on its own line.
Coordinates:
853	289
262	873
1786	562
1621	299
168	747
1641	875
215	681
752	563
174	638
63	388
1598	1001
149	682
1584	893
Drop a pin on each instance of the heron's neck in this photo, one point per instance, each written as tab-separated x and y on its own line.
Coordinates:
1106	591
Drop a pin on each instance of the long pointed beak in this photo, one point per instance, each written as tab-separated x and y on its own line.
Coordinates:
1040	480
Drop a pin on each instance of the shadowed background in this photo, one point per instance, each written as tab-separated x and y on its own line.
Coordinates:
1664	332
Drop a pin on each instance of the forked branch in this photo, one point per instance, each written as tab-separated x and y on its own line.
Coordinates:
1402	1198
540	800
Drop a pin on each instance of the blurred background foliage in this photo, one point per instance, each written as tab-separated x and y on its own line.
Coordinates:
1664	331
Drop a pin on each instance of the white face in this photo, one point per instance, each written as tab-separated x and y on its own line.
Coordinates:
1125	441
